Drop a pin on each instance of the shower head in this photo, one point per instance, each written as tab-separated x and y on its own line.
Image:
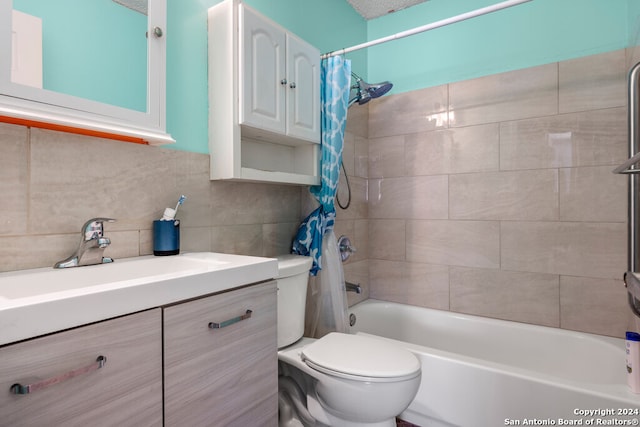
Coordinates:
365	92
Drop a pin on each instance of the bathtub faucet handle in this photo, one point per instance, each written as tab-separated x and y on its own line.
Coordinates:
345	247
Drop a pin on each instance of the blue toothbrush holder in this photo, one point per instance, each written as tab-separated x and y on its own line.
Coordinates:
166	237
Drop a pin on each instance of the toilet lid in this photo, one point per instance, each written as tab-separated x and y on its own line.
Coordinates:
360	356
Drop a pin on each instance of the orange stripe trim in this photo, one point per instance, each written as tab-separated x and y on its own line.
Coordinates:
71	129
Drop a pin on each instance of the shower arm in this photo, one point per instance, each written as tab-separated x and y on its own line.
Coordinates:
631	278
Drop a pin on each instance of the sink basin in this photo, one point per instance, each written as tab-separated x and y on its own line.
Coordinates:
126	272
44	300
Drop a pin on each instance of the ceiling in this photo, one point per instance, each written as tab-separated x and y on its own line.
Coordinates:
137	5
370	9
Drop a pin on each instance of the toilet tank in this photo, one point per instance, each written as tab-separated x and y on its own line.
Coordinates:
293	277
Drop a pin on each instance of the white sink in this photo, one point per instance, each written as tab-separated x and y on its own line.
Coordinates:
44	300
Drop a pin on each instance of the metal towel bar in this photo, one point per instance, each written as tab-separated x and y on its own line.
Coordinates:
631	279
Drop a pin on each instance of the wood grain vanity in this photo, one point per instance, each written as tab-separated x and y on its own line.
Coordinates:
206	361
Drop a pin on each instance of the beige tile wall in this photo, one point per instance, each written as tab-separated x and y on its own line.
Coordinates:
52	182
495	196
353	221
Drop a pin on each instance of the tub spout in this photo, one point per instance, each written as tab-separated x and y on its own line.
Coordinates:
353	287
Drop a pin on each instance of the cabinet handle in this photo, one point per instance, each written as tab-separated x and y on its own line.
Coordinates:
292	85
30	388
213	325
283	82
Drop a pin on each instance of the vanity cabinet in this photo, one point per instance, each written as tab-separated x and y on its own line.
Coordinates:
220	359
126	390
264	99
209	361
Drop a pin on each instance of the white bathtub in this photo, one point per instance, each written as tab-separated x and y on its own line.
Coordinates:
480	372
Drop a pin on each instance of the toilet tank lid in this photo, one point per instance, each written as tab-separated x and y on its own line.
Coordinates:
361	356
290	264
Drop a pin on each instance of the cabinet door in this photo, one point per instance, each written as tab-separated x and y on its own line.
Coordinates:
303	90
125	391
262	72
226	376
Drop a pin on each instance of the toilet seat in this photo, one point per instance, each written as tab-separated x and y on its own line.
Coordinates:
360	358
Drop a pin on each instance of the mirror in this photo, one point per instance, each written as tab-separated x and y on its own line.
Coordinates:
75	49
97	64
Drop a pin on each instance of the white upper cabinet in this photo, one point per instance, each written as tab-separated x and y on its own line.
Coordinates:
280	76
263	73
264	99
303	99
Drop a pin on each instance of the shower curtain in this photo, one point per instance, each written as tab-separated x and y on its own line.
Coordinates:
326	298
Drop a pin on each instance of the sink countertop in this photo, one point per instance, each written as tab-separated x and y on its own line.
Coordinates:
40	301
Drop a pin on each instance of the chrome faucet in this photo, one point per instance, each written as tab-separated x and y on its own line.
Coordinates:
92	245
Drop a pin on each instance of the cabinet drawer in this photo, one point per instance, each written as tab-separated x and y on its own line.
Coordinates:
125	391
226	376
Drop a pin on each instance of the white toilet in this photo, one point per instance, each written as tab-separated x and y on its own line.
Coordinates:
340	379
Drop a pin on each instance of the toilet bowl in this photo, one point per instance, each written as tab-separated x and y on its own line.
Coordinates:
340	379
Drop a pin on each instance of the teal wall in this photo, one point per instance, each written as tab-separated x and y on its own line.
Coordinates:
534	33
634	22
80	40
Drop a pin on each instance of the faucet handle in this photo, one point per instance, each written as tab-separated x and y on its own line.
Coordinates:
93	228
103	242
344	245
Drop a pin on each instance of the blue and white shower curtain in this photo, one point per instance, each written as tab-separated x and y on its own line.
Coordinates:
335	81
326	310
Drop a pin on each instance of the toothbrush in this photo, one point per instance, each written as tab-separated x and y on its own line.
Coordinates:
180	202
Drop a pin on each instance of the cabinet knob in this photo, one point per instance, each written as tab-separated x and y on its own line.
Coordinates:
283	82
292	85
157	32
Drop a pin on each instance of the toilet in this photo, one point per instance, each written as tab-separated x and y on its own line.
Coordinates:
340	379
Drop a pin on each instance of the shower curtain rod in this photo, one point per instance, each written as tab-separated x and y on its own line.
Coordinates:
433	25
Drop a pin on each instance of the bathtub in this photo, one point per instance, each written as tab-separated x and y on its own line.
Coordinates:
480	372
